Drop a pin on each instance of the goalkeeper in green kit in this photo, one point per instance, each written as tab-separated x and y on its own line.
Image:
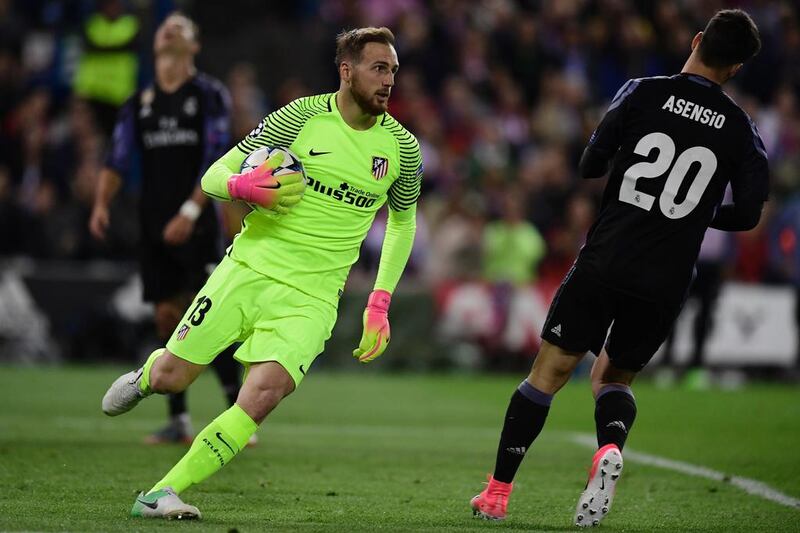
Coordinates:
277	289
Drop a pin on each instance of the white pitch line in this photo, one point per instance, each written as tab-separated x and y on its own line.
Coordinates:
751	486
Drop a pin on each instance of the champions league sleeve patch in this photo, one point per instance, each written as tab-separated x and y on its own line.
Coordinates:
257	130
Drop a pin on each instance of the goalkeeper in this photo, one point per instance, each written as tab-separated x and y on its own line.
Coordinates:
277	289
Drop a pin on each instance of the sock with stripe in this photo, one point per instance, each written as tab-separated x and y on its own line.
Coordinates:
525	417
614	413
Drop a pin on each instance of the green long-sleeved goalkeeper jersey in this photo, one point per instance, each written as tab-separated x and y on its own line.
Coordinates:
351	174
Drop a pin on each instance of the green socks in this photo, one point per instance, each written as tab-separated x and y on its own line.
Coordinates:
144	383
213	448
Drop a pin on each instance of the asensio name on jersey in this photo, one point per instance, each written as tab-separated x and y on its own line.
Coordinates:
351	174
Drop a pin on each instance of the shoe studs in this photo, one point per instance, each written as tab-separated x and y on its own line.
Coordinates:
589	512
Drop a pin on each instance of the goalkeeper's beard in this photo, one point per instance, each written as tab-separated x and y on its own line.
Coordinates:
364	100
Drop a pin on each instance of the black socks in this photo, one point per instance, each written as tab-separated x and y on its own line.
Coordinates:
177	404
524	420
614	413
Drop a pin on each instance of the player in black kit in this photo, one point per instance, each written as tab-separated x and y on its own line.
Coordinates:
179	126
673	144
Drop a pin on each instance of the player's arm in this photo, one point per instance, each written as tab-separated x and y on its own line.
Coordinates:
593	164
750	188
180	227
215	181
116	165
607	137
223	181
217	134
743	215
401	228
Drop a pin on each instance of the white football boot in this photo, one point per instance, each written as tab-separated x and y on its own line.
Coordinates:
163	503
124	394
595	502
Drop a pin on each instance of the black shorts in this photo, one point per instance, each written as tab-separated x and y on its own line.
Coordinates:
583	310
170	271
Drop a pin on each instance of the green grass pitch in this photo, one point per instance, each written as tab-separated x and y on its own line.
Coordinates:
373	452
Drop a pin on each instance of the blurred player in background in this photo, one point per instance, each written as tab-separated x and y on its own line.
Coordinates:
278	288
108	68
674	144
714	254
179	126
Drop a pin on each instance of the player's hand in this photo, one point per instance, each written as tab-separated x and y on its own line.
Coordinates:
261	187
98	222
376	327
178	230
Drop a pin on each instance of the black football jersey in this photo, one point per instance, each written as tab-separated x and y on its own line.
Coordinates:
675	143
177	136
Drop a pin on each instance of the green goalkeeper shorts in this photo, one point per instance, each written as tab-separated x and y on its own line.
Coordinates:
274	322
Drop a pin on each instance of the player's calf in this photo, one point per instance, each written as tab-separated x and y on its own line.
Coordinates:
162	372
265	386
169	373
167	317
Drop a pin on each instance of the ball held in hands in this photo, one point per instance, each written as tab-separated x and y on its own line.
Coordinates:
271	178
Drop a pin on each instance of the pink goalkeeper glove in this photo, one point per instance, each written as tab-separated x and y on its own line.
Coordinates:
376	327
260	186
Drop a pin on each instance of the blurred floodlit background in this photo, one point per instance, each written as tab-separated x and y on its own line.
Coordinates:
502	96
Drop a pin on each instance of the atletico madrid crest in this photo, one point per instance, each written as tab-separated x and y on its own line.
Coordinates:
183	332
380	167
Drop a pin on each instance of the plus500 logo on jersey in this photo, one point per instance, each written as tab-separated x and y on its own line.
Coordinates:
345	193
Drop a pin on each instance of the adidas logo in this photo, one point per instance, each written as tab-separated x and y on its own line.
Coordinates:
557	330
618	424
518	450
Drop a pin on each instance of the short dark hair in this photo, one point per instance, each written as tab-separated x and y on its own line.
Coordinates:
350	44
731	37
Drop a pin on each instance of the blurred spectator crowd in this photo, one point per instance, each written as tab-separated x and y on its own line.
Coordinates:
501	94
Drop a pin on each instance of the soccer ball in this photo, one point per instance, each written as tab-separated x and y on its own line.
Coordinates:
291	163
